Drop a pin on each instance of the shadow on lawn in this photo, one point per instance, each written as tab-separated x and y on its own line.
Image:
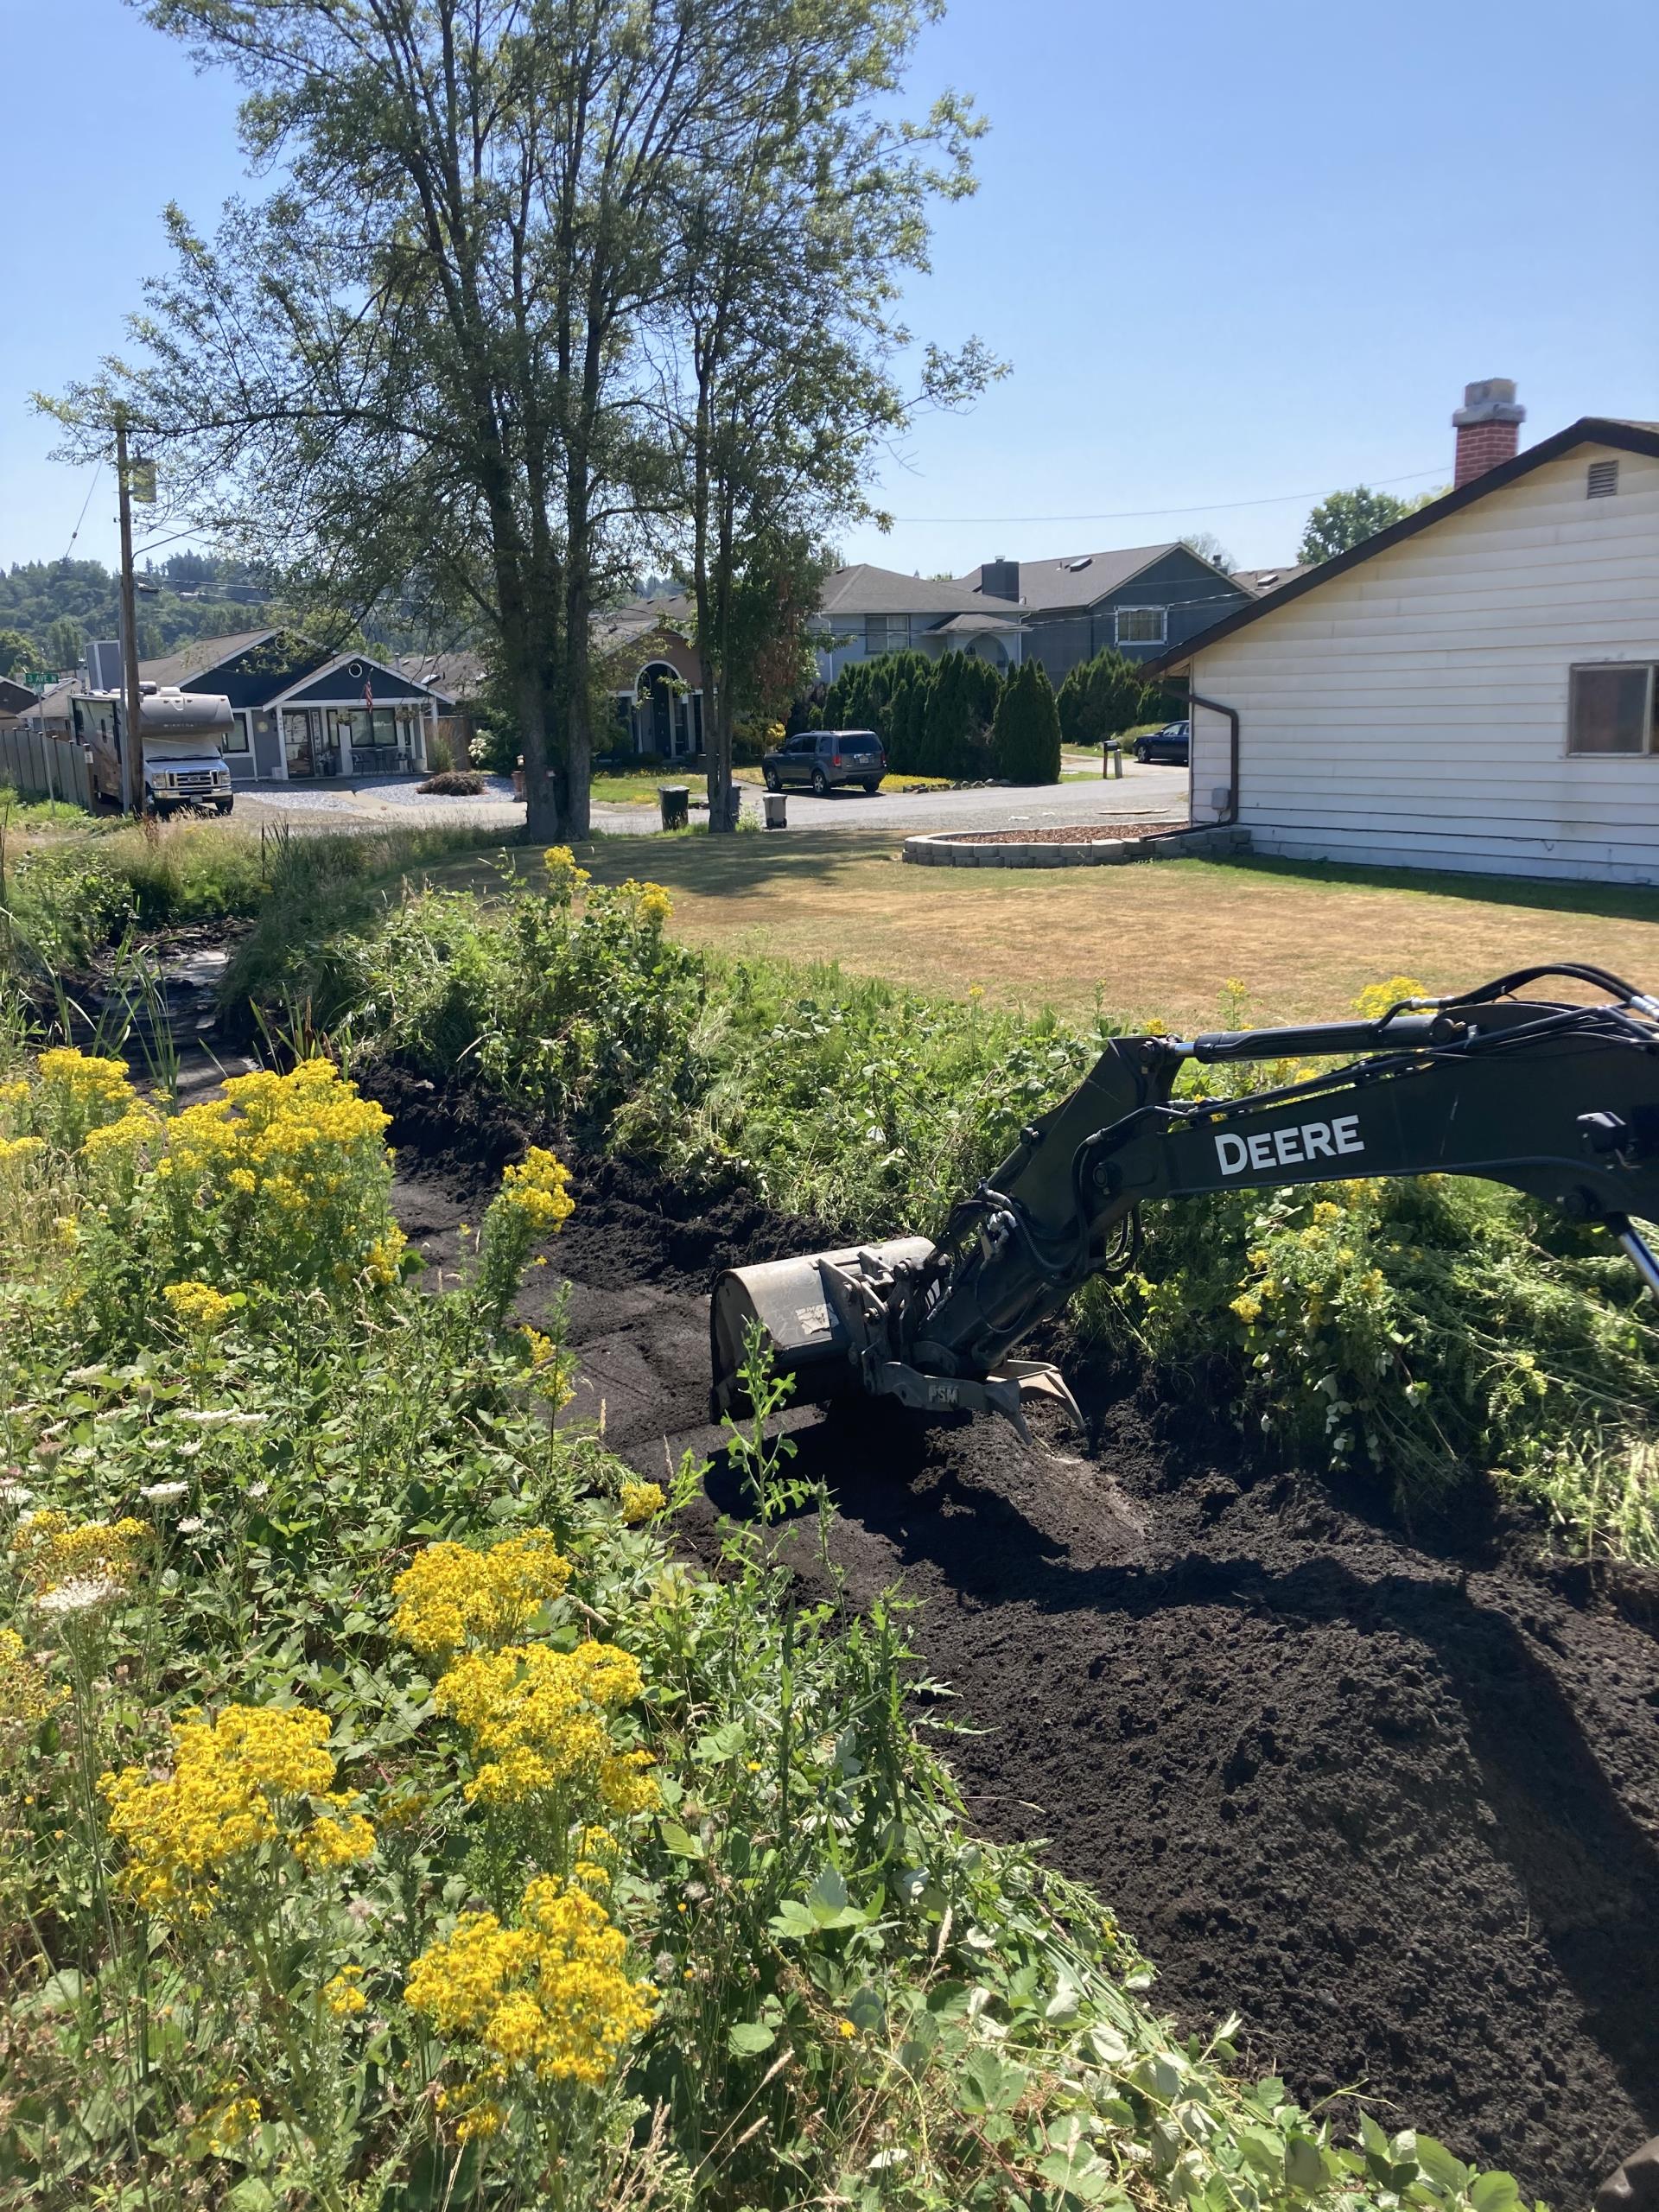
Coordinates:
1613	901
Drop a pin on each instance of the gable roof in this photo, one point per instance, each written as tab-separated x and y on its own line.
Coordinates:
1075	580
1589	430
862	589
200	656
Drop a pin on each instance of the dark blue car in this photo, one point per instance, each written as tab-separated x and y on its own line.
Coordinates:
1171	743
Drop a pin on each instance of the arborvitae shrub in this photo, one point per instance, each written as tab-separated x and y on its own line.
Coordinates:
1025	739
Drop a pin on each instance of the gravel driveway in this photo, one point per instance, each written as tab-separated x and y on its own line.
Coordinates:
1143	794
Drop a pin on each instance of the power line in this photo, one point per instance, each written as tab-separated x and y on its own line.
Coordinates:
85	504
1142	514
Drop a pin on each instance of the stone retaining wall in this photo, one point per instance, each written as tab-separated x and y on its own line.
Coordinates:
948	848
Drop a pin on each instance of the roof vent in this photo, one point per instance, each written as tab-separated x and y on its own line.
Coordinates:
1601	481
1266	576
1073	567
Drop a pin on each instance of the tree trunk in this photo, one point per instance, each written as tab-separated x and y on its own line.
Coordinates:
540	791
579	737
719	633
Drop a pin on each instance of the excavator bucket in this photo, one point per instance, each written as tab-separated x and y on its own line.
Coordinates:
810	1325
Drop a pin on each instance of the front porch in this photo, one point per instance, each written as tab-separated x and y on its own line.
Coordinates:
356	718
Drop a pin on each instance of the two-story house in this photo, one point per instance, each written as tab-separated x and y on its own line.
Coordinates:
1140	601
866	612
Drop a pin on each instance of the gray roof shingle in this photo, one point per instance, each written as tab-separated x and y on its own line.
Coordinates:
198	656
1075	580
863	590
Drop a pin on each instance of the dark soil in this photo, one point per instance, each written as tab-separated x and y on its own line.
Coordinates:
1397	1803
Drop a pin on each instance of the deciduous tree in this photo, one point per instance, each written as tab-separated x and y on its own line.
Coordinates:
1347	519
420	365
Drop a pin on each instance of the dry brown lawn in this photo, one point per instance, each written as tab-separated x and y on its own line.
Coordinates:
1155	938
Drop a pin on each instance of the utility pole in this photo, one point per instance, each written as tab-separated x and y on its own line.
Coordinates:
132	743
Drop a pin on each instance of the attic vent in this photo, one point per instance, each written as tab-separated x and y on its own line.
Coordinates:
1268	577
1073	567
1603	480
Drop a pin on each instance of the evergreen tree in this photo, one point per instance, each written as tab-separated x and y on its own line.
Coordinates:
947	731
1025	739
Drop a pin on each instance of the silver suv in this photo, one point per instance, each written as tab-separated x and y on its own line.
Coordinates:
819	759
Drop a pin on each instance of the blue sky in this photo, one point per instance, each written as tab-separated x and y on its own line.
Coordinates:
1235	255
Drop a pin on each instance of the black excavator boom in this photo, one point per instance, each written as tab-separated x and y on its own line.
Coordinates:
1558	1098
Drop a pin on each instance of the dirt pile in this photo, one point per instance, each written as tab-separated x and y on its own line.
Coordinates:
1400	1806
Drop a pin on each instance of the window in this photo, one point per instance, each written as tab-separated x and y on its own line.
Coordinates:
1601	481
1612	709
235	739
885	633
1141	625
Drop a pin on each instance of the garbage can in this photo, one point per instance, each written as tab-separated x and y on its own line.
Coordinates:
734	806
1111	762
675	799
775	804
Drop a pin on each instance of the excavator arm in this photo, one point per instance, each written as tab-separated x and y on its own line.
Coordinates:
1557	1098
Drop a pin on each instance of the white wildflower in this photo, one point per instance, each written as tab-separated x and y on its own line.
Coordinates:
14	1493
88	1375
84	1594
256	1490
192	1525
164	1493
224	1417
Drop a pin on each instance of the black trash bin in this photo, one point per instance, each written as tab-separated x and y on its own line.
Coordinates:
675	800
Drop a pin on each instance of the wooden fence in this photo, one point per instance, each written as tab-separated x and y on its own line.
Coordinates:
44	767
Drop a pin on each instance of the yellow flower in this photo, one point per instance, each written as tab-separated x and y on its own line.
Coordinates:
77	1092
542	1349
1375	999
564	878
50	1551
199	1306
216	1807
846	2030
27	1698
551	1996
641	1500
1247	1308
327	1844
229	2127
14	1151
450	1595
537	1187
476	2112
344	1995
539	1718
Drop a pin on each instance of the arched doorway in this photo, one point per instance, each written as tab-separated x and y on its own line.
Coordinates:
657	719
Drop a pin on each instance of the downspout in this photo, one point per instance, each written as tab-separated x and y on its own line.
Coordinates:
1215	707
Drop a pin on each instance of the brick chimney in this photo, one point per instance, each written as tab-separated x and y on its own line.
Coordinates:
1488	425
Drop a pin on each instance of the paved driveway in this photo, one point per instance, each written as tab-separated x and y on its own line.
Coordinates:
1148	793
1144	795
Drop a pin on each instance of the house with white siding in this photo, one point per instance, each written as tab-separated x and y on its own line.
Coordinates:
1476	687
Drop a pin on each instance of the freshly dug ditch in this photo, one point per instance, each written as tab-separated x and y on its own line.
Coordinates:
1397	1802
